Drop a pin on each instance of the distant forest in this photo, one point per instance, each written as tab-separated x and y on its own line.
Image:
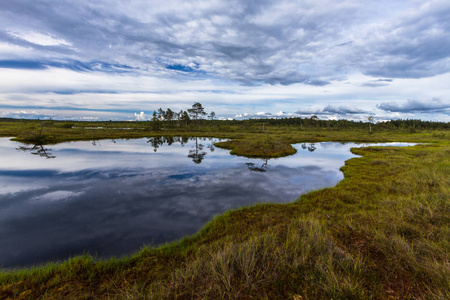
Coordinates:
392	124
197	117
303	123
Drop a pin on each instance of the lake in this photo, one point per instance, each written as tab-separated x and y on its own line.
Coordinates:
111	197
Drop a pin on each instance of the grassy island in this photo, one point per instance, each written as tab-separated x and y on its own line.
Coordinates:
381	233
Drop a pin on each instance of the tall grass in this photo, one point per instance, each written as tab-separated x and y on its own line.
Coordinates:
267	266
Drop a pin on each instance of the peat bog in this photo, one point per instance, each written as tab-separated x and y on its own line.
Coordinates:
111	197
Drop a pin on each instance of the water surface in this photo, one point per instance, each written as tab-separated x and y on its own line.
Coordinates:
111	197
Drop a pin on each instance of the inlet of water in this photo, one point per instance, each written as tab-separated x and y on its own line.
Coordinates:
111	197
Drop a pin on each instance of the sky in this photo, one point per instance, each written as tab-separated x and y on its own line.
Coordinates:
121	60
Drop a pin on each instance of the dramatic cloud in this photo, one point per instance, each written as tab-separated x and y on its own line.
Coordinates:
273	42
224	53
416	105
413	45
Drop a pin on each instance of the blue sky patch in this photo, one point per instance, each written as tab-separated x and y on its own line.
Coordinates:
180	68
22	64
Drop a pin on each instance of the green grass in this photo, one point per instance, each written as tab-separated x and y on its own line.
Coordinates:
381	233
244	139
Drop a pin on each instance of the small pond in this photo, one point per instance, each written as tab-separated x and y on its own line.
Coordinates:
111	197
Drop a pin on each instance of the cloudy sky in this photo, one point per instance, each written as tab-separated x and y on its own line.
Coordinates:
120	60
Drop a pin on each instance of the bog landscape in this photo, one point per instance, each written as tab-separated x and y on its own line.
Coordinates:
272	218
225	149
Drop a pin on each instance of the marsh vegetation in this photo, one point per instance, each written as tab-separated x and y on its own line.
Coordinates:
381	233
111	197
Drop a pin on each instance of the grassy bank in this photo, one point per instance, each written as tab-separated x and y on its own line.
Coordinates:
254	139
381	233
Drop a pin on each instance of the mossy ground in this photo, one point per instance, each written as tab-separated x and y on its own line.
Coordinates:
381	233
247	140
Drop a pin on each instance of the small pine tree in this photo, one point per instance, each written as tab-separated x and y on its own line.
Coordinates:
197	112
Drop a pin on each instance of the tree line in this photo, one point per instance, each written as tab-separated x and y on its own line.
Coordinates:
314	122
181	118
196	116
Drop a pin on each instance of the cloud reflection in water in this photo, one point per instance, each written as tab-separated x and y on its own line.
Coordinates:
115	196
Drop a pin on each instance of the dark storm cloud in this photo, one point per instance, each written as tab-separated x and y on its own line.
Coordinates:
433	105
252	42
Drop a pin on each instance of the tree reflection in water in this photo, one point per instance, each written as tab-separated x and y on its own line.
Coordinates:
197	153
142	197
158	141
263	168
37	150
310	148
211	146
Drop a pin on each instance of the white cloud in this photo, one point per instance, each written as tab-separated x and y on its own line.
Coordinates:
141	116
40	38
340	59
58	196
416	105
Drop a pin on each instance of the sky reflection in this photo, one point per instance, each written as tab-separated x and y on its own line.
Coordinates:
112	197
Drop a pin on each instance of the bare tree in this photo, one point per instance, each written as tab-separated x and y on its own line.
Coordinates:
370	118
38	149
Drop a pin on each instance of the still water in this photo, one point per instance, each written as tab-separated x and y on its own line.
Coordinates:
111	197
